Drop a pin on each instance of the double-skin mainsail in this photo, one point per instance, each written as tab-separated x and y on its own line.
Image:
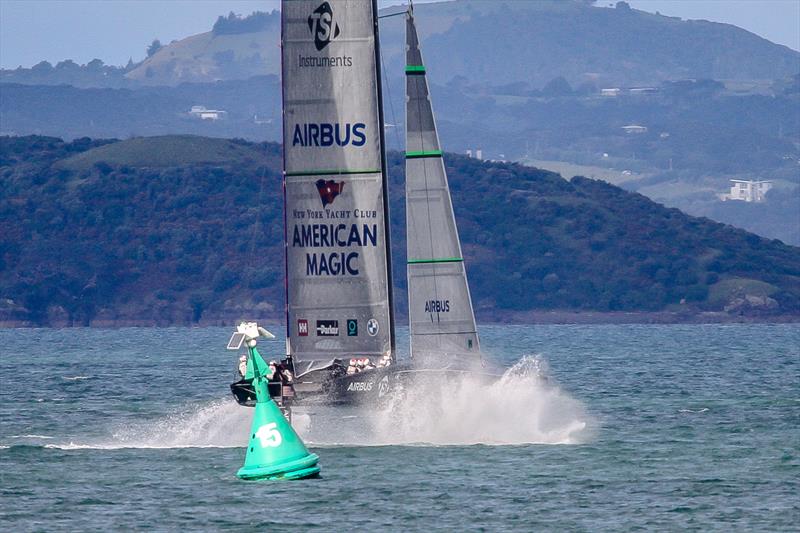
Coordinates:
338	276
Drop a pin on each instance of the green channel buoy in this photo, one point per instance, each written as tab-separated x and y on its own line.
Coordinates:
275	451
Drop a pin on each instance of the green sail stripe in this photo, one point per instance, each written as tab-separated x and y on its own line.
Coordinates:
415	69
439	260
424	153
338	172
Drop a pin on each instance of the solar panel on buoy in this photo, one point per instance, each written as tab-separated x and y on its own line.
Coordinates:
237	339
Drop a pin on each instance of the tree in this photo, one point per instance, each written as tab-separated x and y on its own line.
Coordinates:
67	64
557	87
42	66
154	47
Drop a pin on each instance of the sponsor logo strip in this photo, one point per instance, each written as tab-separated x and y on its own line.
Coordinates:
327	328
324	134
415	70
336	172
440	260
302	328
372	327
423	153
323	26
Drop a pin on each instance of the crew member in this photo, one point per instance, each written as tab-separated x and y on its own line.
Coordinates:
273	374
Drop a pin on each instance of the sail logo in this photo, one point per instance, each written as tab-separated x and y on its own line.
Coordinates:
334	263
360	386
372	327
326	134
327	328
329	190
437	306
322	26
302	328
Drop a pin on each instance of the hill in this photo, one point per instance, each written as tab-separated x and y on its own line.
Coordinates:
97	236
155	152
535	42
490	42
252	110
233	49
699	135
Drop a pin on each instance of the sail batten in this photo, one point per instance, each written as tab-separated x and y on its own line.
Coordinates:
423	153
335	172
338	289
439	260
441	319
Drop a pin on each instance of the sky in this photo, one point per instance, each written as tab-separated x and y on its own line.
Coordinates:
115	30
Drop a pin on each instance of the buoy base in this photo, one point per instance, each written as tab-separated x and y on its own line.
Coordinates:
303	468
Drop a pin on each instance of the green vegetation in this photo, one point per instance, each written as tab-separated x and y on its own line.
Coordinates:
165	151
234	24
93	234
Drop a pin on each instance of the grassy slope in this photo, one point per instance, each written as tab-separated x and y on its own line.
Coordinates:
161	151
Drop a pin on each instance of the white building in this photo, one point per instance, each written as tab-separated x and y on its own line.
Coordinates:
633	129
640	91
202	113
747	191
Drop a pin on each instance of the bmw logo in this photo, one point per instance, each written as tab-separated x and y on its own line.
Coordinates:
372	327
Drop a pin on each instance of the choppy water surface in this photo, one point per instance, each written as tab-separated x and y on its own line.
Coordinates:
592	427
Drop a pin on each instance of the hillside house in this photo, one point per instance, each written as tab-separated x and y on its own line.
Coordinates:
747	191
199	111
642	91
634	129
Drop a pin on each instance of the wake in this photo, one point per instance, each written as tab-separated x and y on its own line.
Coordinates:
523	407
219	424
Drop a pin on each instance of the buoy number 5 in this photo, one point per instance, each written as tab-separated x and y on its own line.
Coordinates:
269	436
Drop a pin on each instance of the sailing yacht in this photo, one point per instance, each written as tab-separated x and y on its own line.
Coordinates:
340	334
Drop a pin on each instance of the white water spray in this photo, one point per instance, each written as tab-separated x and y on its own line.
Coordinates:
219	424
522	407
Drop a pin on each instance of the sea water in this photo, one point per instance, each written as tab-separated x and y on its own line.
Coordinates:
592	427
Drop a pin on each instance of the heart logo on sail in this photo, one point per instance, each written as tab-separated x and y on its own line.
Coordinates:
329	190
322	26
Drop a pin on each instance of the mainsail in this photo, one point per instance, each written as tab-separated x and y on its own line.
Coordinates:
337	241
440	312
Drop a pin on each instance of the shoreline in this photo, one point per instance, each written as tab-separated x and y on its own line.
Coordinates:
511	318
